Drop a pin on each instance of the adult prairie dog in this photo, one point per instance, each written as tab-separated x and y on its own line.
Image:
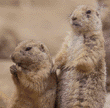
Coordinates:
82	81
32	76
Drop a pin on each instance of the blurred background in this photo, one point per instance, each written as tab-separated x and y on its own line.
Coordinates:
44	20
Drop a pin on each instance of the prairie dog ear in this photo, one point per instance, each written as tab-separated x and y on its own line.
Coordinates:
42	48
98	14
99	10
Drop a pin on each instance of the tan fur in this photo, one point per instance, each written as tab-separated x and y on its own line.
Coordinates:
82	81
35	84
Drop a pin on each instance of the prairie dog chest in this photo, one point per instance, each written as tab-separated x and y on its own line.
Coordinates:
75	46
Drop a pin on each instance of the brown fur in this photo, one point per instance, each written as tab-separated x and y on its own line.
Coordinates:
35	84
82	81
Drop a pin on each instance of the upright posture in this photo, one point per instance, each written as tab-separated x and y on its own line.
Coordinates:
82	81
35	84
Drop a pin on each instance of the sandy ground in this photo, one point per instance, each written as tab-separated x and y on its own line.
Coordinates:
6	84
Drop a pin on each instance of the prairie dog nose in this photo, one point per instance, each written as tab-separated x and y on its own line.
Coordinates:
16	57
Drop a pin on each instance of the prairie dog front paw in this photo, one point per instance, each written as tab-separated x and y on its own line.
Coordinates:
85	66
13	69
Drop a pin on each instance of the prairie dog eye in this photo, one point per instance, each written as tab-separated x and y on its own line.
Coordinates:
28	48
74	18
88	12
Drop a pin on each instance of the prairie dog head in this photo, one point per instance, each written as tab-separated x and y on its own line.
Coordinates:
85	19
31	54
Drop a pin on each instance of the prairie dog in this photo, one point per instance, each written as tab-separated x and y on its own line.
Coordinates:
82	81
32	76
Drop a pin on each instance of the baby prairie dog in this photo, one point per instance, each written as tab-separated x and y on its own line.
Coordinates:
32	76
82	81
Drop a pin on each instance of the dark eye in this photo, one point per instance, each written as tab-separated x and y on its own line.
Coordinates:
88	12
74	18
42	48
28	48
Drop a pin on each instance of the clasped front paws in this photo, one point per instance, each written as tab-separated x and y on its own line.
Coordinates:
13	69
